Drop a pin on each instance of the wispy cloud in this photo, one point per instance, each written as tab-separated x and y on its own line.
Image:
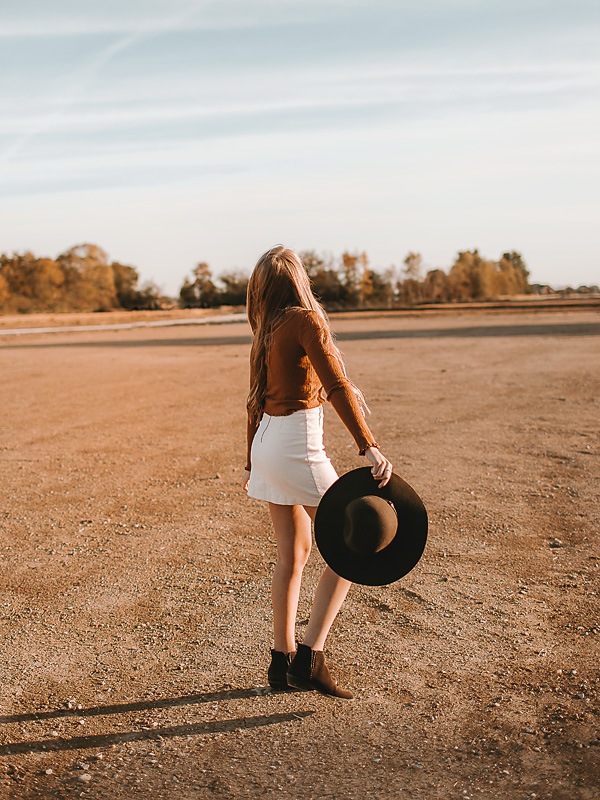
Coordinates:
441	114
87	73
36	18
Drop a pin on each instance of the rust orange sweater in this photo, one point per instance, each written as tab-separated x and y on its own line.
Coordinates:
299	362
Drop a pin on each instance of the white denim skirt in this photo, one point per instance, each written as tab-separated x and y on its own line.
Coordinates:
289	463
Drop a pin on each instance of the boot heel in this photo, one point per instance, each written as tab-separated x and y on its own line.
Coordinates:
308	670
299	683
276	675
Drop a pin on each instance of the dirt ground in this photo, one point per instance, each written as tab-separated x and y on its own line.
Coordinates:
136	574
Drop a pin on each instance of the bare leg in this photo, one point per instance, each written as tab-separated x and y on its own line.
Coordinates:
293	535
329	596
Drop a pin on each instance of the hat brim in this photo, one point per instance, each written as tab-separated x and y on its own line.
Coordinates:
400	555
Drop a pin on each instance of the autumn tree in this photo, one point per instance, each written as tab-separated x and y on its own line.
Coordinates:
366	282
514	275
4	290
475	278
351	277
47	284
410	292
413	265
435	287
89	278
18	273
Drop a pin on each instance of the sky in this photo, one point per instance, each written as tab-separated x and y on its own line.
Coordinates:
170	132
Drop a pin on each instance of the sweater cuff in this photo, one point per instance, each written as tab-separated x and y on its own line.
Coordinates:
364	450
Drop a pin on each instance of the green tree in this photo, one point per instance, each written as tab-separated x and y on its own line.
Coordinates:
235	287
382	289
324	278
314	263
206	290
187	294
126	280
329	288
149	297
200	292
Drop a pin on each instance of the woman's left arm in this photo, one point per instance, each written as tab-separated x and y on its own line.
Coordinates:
341	394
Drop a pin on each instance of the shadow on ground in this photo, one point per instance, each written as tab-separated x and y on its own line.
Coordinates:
102	740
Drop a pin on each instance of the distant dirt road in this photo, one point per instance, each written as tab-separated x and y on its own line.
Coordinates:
136	575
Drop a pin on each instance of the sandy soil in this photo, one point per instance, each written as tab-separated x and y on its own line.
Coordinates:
135	598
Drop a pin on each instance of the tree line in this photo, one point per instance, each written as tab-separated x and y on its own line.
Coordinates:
84	279
350	282
80	279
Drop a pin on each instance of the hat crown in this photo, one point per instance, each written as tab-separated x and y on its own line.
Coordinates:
370	524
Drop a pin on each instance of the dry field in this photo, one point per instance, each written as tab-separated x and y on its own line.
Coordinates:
135	573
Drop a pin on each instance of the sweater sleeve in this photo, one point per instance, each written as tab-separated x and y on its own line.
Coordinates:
314	338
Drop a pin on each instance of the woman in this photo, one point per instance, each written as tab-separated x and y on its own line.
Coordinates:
294	367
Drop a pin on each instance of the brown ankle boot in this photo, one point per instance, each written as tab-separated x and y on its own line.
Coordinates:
308	670
280	663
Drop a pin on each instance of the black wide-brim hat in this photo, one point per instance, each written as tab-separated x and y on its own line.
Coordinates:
403	551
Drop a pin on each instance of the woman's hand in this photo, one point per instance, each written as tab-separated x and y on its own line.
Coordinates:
382	466
246	480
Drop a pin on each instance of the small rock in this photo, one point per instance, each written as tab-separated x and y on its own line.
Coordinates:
556	542
85	778
48	772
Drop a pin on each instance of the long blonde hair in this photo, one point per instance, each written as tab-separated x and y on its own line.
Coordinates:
279	282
